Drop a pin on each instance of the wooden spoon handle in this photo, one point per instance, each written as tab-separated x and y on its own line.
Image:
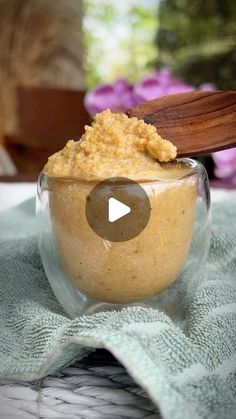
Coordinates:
196	122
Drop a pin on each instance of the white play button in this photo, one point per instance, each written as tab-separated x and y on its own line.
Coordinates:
116	209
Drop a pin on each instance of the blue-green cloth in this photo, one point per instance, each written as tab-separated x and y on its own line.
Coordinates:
183	352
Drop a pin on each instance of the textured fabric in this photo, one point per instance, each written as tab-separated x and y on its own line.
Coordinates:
182	352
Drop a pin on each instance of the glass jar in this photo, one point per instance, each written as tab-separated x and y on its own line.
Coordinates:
89	273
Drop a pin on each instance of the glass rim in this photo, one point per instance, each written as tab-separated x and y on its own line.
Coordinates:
194	166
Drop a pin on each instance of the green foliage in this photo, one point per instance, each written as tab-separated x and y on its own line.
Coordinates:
102	14
119	41
197	40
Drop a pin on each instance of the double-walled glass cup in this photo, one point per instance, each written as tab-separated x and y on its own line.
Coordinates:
89	273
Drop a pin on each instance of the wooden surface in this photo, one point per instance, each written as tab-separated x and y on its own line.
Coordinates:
196	122
47	119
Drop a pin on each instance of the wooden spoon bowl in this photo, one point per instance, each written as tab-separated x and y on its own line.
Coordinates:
196	122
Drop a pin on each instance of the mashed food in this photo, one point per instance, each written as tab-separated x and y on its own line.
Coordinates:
128	271
114	145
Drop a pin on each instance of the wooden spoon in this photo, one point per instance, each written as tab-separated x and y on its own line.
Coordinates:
196	122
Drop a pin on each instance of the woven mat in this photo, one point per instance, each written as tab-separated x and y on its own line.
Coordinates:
96	388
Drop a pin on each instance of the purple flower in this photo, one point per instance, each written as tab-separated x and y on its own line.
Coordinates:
159	84
117	96
225	165
120	95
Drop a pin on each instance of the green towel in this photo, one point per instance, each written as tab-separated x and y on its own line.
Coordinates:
183	353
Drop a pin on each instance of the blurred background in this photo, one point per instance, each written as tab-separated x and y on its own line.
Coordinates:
62	61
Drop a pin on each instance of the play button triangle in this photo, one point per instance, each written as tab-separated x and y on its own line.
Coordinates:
116	209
